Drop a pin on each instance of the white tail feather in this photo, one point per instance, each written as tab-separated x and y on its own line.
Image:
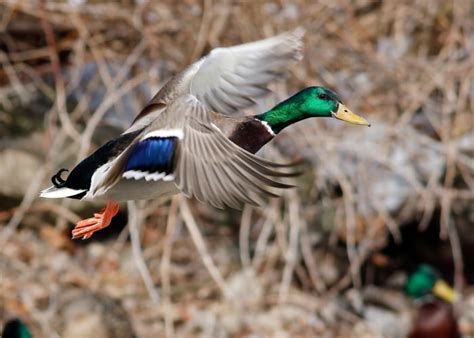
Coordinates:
53	192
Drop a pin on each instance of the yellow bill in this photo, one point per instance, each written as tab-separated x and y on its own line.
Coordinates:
444	291
344	114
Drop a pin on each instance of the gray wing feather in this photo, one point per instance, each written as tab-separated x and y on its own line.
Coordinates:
214	170
229	79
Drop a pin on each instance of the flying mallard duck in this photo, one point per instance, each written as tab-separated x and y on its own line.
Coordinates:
435	317
189	139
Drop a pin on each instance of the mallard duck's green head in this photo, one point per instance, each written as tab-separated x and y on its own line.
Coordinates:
425	281
15	328
323	102
309	102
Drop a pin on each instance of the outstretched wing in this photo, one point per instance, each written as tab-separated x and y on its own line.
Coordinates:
214	170
201	160
230	79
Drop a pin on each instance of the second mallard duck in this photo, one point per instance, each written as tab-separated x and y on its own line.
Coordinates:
15	328
182	141
435	317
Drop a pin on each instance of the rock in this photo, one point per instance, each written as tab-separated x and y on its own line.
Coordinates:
392	168
242	294
86	314
387	323
18	169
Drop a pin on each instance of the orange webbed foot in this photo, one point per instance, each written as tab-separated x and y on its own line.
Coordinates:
87	227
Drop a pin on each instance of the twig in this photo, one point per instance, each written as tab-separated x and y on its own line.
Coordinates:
21	90
33	189
203	30
263	238
201	247
457	257
165	265
244	234
59	80
308	258
350	227
57	209
105	105
134	222
26	203
291	254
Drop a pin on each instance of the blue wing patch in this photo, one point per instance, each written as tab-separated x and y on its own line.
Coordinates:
153	155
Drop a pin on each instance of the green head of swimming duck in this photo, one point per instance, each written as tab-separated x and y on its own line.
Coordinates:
15	328
425	281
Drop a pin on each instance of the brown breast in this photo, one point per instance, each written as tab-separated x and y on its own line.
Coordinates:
250	134
435	319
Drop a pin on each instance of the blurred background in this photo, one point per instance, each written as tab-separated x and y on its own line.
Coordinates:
328	259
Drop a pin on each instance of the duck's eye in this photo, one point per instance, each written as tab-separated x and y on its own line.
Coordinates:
323	96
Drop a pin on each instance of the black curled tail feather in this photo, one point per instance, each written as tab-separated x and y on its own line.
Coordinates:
58	182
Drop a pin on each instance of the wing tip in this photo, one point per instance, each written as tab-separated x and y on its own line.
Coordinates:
298	33
296	37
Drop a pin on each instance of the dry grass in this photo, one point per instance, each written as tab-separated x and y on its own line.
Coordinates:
81	69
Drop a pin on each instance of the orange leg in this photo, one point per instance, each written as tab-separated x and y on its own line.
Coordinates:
87	227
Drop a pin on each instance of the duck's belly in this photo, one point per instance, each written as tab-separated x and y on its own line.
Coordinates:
130	189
